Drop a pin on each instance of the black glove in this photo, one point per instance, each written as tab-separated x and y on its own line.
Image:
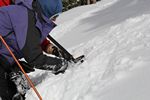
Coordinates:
59	53
60	67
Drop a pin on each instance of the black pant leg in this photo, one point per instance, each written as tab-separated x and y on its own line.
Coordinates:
7	87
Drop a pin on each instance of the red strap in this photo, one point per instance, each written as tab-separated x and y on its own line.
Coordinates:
4	3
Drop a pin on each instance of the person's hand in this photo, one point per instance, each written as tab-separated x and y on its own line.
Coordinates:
51	49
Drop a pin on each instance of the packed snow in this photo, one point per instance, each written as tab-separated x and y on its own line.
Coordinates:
114	35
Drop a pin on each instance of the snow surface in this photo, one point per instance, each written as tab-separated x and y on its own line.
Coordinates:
115	37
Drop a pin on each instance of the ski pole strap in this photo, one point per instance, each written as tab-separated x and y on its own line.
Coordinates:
29	80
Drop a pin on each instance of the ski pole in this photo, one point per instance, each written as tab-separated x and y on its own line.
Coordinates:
70	57
28	79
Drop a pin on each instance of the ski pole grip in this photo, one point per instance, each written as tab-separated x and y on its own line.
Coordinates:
21	68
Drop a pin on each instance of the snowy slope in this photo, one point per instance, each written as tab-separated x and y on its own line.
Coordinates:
115	37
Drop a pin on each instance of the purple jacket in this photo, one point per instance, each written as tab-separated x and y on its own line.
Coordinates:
14	18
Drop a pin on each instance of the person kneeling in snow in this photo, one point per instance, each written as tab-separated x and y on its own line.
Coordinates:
25	26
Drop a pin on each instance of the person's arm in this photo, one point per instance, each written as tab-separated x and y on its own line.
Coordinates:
33	54
32	51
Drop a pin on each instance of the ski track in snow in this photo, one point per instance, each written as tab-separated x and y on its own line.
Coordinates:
124	47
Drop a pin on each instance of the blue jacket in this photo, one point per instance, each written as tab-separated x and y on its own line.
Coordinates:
14	18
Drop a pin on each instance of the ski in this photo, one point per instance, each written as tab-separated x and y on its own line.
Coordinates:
65	54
